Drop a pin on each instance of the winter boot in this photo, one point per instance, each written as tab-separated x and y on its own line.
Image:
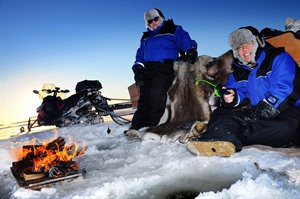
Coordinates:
196	130
211	148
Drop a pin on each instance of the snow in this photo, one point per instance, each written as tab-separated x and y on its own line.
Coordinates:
119	167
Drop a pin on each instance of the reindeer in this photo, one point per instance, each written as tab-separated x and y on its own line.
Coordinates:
188	104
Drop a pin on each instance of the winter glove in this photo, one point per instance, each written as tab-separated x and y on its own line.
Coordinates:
224	91
244	116
182	56
265	110
192	55
138	71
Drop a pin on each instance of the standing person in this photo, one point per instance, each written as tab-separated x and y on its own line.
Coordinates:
260	103
153	68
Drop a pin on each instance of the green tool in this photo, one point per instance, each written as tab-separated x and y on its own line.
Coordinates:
216	90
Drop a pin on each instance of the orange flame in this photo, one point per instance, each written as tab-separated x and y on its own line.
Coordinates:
47	158
19	154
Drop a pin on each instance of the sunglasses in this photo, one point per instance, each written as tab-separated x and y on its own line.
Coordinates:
155	19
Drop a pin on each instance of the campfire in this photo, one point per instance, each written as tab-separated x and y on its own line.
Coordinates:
46	163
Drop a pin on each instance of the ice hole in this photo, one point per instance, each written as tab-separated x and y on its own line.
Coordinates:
190	182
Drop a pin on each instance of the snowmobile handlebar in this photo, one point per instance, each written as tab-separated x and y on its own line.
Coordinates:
54	91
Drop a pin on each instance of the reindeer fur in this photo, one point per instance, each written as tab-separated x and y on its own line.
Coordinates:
188	102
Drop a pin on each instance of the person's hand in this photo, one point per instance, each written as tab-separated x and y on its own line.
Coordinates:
192	55
265	110
229	95
138	71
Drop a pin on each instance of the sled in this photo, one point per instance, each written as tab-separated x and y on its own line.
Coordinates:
134	95
287	40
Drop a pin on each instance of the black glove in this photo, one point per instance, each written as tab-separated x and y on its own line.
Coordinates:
244	116
182	56
265	110
138	71
224	91
192	55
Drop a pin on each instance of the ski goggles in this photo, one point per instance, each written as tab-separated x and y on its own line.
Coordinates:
151	20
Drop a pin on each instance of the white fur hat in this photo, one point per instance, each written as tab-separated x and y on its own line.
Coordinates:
239	37
242	36
151	14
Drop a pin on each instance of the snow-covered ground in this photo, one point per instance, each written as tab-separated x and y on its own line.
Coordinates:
118	167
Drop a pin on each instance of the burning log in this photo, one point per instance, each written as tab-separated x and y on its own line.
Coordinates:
47	161
33	176
33	151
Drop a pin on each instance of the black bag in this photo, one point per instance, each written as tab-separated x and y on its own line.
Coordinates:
88	84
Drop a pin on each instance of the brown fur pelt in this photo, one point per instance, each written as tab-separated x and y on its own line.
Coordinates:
188	102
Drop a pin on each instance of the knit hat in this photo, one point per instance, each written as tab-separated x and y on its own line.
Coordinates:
151	14
244	35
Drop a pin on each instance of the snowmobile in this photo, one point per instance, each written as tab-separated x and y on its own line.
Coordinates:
86	106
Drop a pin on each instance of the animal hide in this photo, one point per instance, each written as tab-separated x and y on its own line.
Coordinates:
188	102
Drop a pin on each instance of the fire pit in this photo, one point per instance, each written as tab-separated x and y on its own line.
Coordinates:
48	163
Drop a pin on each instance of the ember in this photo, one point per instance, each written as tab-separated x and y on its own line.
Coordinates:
38	163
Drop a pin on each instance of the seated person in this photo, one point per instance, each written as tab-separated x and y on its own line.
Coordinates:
260	103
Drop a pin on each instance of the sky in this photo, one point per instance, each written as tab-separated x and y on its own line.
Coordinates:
121	168
67	41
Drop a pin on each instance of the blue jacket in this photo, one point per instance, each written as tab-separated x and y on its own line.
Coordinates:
163	43
275	78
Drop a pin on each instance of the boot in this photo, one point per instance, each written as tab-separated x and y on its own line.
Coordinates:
211	148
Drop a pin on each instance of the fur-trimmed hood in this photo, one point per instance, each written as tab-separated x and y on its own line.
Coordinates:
151	14
242	36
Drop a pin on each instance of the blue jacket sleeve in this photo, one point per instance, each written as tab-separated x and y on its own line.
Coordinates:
139	58
240	91
183	39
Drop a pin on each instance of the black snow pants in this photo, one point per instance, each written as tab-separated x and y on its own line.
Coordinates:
158	78
281	131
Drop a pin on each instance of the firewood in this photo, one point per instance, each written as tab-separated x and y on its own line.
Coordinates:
60	142
33	176
54	145
29	174
24	171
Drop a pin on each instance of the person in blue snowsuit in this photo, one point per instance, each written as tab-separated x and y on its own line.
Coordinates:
160	46
260	103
